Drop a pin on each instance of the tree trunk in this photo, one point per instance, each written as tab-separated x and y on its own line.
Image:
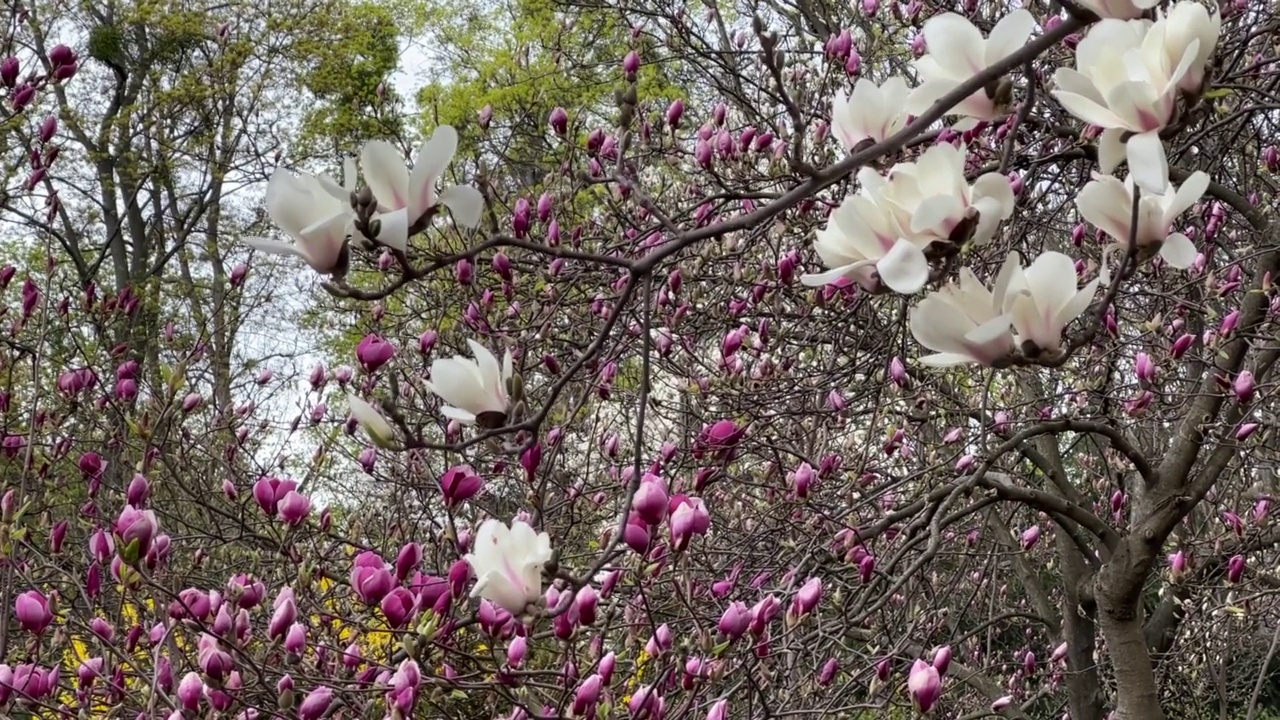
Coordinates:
1118	589
1084	689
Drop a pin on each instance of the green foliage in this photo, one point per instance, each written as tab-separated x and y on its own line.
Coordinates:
347	57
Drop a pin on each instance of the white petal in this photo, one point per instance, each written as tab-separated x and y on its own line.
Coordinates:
458	414
830	276
1009	35
904	269
1178	251
1188	194
926	94
955	43
1106	204
377	427
936	216
350	176
394	232
385	174
490	372
945	360
1147	163
1079	303
1030	322
465	203
1009	275
1088	110
939	325
275	247
1110	150
459	383
433	157
1051	278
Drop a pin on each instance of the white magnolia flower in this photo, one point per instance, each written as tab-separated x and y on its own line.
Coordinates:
930	198
861	237
1190	21
404	196
871	112
1043	299
1121	9
1124	83
376	426
475	390
957	52
1107	203
508	564
314	212
965	322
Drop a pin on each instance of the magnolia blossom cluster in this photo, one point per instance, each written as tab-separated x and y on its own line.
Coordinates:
880	236
1027	309
1129	77
316	213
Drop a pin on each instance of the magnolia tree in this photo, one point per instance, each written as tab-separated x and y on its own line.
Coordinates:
911	362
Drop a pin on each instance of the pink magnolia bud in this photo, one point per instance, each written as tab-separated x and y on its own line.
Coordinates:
1178	565
399	607
284	613
802	479
703	154
942	659
675	111
294	507
924	685
1235	568
57	537
1030	537
10	68
807	598
485	116
735	620
459	484
719	710
585	603
1246	430
631	64
191	402
1270	156
559	121
650	501
853	63
373	352
1244	387
828	673
517	651
48	128
464	271
22	97
134	531
1182	345
1229	323
544	207
898	372
1145	368
587	695
1059	654
31	609
138	492
190	690
316	704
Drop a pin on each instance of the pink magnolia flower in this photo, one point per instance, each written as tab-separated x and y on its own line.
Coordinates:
924	685
31	609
